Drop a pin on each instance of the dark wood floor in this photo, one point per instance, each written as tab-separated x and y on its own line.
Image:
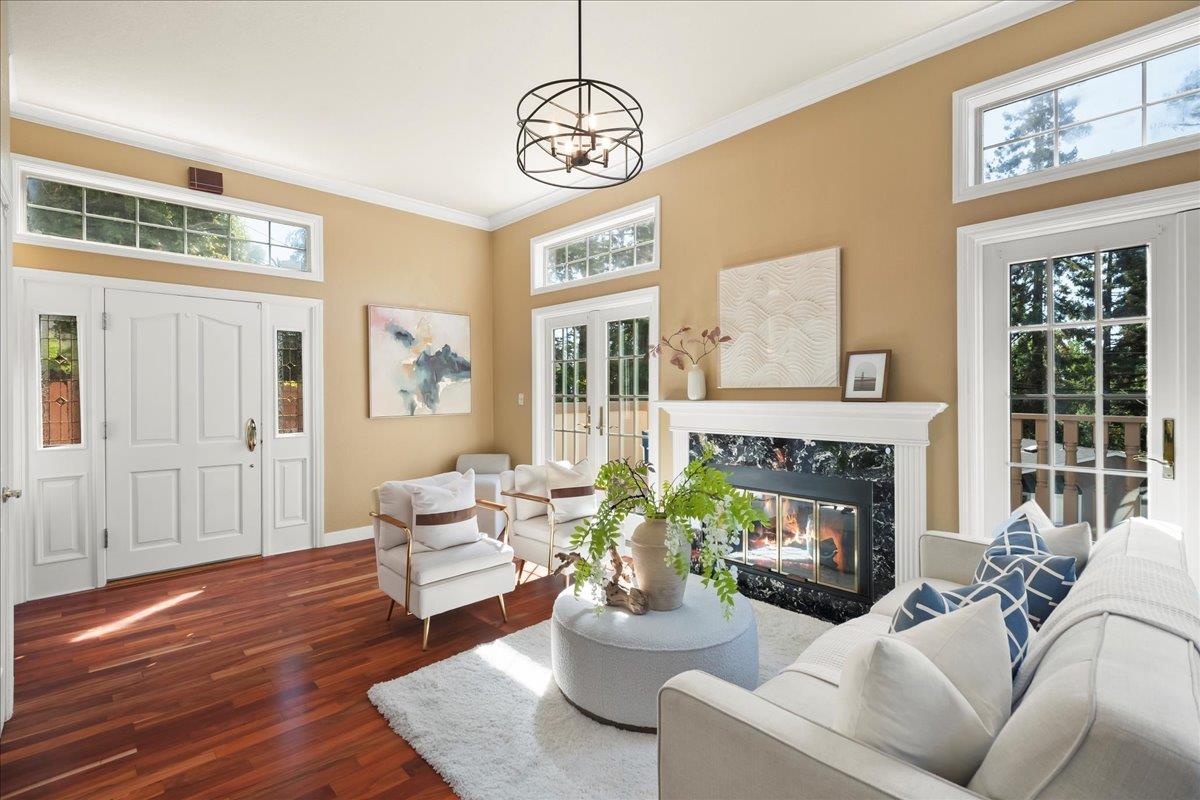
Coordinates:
240	680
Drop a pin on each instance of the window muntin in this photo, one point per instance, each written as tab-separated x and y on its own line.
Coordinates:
81	212
569	437
58	358
627	421
1153	100
289	358
1078	384
618	243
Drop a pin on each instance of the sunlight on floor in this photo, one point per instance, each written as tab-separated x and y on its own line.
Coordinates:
125	622
518	666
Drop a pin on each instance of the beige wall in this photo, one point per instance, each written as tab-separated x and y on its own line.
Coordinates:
372	255
869	170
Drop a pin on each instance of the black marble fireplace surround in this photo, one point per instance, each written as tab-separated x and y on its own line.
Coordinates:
861	467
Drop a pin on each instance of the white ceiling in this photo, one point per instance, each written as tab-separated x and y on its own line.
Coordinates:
417	99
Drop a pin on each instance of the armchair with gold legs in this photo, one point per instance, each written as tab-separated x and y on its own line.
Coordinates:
427	581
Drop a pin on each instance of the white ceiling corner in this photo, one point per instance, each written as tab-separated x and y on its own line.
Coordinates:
412	105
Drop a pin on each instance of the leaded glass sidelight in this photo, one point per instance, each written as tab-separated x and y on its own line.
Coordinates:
289	356
58	354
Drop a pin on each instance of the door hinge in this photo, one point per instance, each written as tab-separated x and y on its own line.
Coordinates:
106	538
104	320
104	430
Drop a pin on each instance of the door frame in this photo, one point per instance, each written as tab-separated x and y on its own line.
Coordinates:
972	241
24	416
540	316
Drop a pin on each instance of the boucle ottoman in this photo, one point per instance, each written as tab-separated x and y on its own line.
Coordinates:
610	666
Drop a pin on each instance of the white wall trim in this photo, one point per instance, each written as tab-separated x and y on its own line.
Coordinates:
26	166
972	240
905	426
180	148
953	34
947	37
95	414
348	535
1134	46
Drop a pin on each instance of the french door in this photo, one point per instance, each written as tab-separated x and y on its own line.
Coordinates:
183	415
1085	369
597	381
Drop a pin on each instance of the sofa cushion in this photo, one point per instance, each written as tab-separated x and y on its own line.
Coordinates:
1070	540
430	566
802	694
935	695
538	529
825	657
891	601
1112	712
1048	578
529	479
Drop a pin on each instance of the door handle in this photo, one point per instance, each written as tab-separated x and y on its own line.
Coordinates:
1168	451
251	435
587	424
7	494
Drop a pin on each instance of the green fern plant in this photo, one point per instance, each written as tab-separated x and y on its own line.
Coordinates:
700	496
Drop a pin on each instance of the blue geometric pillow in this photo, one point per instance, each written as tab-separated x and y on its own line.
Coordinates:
1014	605
1019	537
1048	578
923	604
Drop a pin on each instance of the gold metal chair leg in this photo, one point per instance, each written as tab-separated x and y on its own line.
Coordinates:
391	608
503	610
425	635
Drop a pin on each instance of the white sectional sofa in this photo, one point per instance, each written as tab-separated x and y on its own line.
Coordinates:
1113	709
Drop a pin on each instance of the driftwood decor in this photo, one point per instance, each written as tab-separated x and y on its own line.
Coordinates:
617	592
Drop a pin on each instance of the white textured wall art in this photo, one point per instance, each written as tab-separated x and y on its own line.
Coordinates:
785	319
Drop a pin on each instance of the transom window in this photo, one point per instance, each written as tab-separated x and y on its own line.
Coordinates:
1124	100
1078	381
608	246
69	207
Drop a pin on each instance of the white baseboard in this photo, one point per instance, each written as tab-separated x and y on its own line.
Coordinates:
347	536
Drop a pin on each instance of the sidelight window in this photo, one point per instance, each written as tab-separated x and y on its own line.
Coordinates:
58	355
289	356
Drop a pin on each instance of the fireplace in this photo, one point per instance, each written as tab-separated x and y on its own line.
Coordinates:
817	534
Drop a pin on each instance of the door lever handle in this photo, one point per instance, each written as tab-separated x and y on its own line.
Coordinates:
251	435
7	494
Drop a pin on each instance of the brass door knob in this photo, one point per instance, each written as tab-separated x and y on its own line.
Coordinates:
7	494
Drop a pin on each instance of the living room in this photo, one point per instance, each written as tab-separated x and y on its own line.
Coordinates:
600	399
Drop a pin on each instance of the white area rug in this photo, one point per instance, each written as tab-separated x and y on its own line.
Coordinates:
494	725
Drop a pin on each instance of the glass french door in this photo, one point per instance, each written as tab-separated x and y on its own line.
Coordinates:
1085	330
599	384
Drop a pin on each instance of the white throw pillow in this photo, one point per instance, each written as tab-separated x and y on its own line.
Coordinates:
1031	511
444	516
1070	540
935	695
572	490
529	479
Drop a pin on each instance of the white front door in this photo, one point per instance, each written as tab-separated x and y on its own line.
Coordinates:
597	381
1086	361
182	398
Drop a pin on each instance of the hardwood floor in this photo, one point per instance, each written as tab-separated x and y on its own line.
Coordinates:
246	679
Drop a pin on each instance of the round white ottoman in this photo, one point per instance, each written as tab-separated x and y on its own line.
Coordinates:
610	666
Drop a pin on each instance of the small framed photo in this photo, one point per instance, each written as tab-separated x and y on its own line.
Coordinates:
865	375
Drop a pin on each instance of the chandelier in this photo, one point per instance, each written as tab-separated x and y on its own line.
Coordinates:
579	133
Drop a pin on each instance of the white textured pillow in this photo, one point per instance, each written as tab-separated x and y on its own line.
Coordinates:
1031	511
935	695
529	479
572	489
444	516
1070	540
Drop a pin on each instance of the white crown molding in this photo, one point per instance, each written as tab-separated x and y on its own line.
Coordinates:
177	147
953	34
926	45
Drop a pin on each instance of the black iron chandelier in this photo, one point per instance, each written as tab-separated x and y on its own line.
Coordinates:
579	133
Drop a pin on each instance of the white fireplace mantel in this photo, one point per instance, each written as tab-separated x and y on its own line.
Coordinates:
905	426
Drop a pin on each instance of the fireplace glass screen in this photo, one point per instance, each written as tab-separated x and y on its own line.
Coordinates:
763	538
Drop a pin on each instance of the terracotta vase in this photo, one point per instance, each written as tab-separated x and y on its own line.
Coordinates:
655	576
697	388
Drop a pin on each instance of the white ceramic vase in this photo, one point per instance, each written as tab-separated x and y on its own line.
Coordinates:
655	576
697	388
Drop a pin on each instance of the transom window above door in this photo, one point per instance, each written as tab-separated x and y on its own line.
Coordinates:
74	208
1078	384
620	243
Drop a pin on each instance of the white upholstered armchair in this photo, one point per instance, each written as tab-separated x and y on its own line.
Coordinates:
430	581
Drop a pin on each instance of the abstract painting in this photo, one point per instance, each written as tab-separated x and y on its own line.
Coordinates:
419	362
784	316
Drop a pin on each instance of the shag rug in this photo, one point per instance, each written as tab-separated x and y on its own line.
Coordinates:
494	725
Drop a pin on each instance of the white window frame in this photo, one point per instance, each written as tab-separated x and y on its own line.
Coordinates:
29	167
538	246
1172	33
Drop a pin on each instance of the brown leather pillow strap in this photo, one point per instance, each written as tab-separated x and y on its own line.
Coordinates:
572	491
445	517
